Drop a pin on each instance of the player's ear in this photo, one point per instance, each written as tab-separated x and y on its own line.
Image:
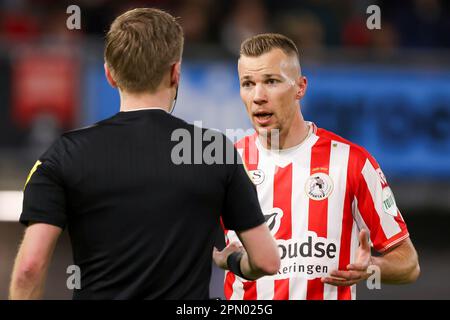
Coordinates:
302	84
175	72
109	76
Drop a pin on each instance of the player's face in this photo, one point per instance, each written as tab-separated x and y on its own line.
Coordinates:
270	86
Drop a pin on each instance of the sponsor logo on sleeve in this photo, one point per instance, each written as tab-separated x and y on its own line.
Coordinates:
382	177
389	205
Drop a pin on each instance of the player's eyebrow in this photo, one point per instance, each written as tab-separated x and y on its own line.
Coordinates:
266	76
246	77
270	75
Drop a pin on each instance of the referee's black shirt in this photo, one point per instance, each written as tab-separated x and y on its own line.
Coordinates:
141	227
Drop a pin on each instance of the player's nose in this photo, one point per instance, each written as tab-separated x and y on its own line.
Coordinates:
260	95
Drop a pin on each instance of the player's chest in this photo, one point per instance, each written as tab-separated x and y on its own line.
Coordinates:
292	184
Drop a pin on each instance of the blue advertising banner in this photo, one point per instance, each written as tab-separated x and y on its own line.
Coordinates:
401	116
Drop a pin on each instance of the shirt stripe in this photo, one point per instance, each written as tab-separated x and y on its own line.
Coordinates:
318	209
282	197
339	155
300	209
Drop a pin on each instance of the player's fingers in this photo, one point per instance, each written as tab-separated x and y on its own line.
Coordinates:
364	239
217	252
234	245
358	267
338	283
347	275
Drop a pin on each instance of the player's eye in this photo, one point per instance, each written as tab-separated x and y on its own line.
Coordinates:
246	84
272	81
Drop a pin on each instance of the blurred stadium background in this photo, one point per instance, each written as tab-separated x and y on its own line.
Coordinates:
388	90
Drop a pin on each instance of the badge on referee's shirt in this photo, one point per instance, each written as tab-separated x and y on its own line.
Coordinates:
37	164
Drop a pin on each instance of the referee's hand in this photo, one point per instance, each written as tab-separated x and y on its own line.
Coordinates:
357	271
220	257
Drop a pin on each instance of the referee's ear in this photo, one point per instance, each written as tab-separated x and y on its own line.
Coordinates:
109	77
175	72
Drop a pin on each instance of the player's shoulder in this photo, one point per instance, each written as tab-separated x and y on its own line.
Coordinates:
355	149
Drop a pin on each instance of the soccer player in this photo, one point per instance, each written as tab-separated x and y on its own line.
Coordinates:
141	226
325	199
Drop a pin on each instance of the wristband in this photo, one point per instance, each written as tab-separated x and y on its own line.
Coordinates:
234	264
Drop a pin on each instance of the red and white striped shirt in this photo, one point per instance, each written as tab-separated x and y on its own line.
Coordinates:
316	197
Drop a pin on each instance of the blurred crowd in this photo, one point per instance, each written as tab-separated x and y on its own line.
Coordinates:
315	24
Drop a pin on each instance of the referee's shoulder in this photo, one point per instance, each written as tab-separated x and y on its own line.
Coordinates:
206	132
72	139
86	130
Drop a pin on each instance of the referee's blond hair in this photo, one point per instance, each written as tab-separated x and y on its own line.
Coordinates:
141	45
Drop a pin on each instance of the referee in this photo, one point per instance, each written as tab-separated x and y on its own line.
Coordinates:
141	225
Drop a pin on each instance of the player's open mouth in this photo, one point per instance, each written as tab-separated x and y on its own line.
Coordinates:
262	117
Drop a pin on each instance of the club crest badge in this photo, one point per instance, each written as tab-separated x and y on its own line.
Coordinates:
319	186
257	176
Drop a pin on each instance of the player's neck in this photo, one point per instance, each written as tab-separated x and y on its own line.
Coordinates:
290	137
132	101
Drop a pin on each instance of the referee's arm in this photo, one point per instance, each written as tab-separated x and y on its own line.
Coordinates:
261	255
257	258
242	213
32	261
43	212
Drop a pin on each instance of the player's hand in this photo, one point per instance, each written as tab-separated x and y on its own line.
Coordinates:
220	257
357	271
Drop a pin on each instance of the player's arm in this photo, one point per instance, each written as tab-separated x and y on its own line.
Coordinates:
259	258
397	265
32	261
377	209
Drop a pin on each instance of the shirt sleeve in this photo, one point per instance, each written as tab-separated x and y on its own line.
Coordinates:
44	196
241	209
375	207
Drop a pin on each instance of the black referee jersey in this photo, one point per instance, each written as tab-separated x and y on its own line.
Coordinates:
141	226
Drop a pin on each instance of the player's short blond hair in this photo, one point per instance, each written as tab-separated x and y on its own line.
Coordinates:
263	43
141	45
